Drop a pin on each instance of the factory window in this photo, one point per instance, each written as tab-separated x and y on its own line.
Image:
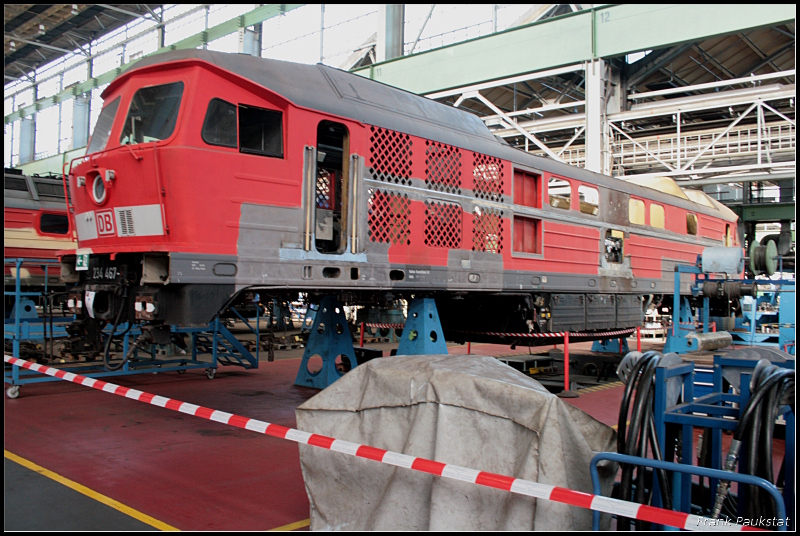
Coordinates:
691	224
54	224
657	216
527	189
636	211
589	199
153	114
219	127
615	246
560	192
102	129
527	235
260	131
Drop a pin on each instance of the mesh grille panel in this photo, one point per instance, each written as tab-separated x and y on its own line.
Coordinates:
323	196
488	175
389	217
390	156
442	167
442	225
487	230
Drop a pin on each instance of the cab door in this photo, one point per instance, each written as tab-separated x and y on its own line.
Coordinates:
331	195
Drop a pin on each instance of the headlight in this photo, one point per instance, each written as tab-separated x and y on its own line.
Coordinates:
98	190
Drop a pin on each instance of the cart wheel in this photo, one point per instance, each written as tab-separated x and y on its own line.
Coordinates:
13	391
210	372
590	369
183	370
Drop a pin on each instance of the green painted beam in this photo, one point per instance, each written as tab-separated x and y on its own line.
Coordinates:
556	42
52	164
626	28
604	32
765	212
260	14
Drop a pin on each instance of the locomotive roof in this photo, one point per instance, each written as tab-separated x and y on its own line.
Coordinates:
331	90
338	92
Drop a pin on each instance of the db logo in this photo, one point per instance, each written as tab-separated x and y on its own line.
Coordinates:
105	222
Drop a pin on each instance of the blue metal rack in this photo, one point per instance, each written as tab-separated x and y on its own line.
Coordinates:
718	411
25	326
679	470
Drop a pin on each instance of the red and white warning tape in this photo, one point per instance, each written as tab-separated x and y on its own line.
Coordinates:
464	474
560	335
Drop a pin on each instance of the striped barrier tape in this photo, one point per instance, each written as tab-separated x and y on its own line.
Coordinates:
464	474
576	334
559	334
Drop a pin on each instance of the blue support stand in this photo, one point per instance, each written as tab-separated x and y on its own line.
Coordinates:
329	338
611	346
308	319
786	317
422	334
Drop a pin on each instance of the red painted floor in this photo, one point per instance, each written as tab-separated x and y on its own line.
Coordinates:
188	472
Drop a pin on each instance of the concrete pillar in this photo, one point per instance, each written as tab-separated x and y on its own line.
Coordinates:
390	32
595	115
80	120
27	135
250	41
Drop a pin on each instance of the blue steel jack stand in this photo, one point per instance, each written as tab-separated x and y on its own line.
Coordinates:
422	334
329	338
611	346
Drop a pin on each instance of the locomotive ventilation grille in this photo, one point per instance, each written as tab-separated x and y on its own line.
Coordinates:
442	167
488	175
323	191
389	217
390	156
487	230
442	225
126	222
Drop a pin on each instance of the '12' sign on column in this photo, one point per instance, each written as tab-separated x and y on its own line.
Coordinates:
105	222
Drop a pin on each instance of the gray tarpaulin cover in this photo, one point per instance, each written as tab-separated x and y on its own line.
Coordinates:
471	411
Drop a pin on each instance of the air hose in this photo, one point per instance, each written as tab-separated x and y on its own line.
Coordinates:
106	362
771	388
640	437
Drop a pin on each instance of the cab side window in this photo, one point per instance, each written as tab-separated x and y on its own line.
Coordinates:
260	131
219	127
560	192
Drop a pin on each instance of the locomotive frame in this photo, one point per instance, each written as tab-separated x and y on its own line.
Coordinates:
211	176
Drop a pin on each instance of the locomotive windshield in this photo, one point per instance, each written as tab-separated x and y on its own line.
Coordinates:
102	129
153	114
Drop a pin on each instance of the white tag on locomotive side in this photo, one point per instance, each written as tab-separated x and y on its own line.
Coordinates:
89	301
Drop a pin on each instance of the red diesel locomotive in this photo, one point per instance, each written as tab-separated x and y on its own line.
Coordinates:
211	175
35	226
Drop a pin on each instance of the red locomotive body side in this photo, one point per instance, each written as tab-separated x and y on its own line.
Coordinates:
221	173
35	226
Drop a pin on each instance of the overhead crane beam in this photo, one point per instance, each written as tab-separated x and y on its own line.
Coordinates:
568	39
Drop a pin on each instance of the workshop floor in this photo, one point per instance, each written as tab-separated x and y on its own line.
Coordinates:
80	459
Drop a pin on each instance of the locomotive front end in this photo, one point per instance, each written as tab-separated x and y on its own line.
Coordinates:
117	201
